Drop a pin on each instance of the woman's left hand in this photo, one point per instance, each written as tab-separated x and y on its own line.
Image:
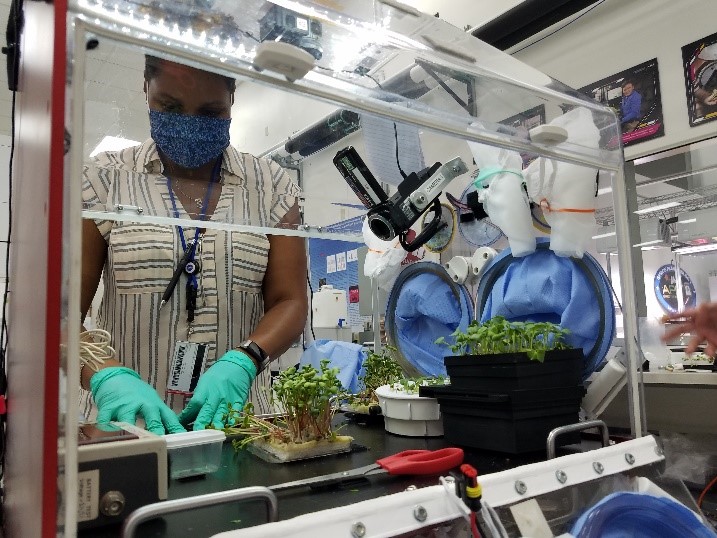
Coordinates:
227	381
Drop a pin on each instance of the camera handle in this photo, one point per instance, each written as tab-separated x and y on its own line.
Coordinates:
429	231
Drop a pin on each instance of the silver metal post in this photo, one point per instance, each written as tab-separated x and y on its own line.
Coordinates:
629	303
678	284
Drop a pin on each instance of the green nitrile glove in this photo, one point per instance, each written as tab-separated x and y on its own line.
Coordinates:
227	381
121	395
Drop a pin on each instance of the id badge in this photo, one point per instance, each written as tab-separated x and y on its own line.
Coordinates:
187	365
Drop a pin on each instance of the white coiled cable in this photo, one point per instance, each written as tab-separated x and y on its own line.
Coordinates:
95	348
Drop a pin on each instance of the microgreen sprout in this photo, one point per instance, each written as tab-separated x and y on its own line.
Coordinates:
306	396
379	369
499	335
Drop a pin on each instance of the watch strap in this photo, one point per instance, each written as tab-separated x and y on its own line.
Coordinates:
255	351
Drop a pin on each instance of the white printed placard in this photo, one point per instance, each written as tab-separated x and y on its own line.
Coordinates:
352	255
331	263
341	261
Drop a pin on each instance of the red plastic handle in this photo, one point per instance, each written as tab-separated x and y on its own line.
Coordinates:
420	462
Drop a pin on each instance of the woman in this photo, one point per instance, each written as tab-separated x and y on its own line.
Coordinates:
241	298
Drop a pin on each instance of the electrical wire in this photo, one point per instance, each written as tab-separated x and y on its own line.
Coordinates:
474	526
311	308
704	491
395	133
16	14
558	29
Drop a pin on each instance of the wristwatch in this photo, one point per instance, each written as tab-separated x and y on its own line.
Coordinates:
260	356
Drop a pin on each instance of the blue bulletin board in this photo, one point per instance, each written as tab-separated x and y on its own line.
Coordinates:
336	263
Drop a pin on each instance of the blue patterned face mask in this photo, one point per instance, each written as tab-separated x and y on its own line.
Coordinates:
190	141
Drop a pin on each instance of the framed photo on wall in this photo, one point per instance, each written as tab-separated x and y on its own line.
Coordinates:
699	60
634	94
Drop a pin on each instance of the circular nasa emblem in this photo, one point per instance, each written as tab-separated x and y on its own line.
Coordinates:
665	285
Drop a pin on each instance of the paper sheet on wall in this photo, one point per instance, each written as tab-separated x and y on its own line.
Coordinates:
341	261
331	263
380	141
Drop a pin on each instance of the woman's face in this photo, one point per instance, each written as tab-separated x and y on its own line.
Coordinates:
185	90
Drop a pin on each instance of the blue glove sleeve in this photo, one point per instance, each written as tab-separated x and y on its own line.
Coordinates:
121	395
227	381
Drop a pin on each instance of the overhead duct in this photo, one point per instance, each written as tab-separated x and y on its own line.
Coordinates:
323	133
527	19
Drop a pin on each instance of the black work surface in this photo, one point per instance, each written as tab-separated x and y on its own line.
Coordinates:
243	469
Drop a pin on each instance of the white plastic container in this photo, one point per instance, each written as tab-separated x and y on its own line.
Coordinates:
329	306
409	414
194	453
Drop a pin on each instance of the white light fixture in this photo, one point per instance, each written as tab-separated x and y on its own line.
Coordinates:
602	236
687	221
653	242
658	207
696	249
113	143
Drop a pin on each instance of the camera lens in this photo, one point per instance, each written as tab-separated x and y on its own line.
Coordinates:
381	227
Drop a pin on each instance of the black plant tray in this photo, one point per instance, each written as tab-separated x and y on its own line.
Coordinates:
514	422
513	400
512	371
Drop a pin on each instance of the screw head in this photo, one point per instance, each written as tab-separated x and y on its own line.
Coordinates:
358	530
598	467
420	513
520	487
112	503
120	208
454	168
140	210
561	476
629	458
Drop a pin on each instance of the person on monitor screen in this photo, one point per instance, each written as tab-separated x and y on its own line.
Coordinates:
240	298
630	107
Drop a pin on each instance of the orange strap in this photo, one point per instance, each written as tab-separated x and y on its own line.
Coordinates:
545	206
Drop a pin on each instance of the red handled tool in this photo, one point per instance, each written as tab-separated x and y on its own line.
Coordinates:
408	462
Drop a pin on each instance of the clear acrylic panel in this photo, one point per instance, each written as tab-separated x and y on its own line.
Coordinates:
372	57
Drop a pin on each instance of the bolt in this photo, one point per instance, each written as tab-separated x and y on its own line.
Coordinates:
120	208
520	487
420	513
140	210
455	168
629	458
358	530
112	503
421	199
598	467
561	476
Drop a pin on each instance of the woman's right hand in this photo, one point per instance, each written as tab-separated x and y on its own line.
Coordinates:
121	395
700	323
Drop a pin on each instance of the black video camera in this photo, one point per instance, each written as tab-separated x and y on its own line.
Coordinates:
417	193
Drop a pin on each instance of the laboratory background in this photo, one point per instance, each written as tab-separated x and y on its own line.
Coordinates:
358	268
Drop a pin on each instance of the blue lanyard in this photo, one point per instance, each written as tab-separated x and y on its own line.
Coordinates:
215	176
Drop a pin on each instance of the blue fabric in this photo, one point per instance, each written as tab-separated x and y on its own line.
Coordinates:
426	309
345	356
639	515
189	141
545	287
